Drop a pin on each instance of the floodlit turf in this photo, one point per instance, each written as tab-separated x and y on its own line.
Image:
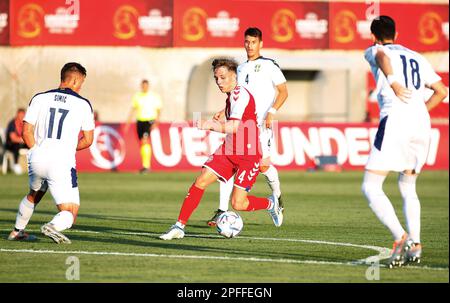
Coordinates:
116	235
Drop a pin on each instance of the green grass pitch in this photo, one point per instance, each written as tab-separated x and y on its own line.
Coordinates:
328	226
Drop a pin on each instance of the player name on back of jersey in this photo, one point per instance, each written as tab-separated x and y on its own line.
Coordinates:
60	98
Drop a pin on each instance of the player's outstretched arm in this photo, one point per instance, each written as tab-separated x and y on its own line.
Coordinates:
86	140
384	63
439	94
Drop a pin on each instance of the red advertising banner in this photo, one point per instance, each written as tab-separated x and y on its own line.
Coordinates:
215	23
183	147
421	27
285	24
83	22
372	109
4	22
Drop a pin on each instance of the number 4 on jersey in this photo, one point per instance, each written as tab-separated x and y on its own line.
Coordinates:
242	176
63	113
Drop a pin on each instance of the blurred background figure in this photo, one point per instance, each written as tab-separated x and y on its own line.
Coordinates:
14	142
146	109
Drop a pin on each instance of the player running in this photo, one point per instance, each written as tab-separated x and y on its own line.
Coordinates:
402	141
239	154
266	82
51	130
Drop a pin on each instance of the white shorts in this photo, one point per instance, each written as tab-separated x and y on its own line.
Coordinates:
266	141
60	179
400	144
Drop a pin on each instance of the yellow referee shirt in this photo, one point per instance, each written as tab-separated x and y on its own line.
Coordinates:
146	105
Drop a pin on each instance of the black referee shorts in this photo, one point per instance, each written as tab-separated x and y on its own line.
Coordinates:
143	128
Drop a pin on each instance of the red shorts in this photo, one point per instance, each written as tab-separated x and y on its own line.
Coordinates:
224	167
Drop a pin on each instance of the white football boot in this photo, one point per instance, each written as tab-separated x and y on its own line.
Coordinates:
50	231
275	212
174	232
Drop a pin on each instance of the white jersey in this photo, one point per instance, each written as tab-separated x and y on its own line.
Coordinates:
260	76
411	69
58	117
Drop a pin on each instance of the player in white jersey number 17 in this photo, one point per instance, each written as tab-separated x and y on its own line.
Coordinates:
52	126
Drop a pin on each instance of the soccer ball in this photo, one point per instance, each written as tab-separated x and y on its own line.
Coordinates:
229	224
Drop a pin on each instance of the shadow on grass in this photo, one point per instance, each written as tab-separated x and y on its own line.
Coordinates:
215	245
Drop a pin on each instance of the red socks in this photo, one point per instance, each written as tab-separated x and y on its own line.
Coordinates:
190	203
195	194
255	203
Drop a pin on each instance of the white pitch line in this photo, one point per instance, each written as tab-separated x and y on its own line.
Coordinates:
383	252
108	253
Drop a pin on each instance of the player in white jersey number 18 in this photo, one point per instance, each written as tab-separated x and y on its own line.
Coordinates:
402	141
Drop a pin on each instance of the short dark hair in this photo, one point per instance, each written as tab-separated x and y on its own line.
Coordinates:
145	81
72	67
383	28
253	32
230	64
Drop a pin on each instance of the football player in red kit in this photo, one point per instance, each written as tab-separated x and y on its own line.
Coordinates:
239	155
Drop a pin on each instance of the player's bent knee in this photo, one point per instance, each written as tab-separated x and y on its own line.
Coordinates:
35	196
201	182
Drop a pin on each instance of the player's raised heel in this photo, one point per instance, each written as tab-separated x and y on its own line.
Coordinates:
275	211
21	235
398	252
57	237
174	232
213	221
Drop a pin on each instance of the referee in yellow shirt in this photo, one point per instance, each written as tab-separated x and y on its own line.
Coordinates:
146	108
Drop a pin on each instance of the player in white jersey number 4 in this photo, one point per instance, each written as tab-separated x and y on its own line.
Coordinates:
266	82
52	126
403	137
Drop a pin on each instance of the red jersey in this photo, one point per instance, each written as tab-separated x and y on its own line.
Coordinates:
240	105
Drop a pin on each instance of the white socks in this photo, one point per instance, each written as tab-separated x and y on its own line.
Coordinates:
272	179
26	209
63	220
411	205
225	193
372	188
